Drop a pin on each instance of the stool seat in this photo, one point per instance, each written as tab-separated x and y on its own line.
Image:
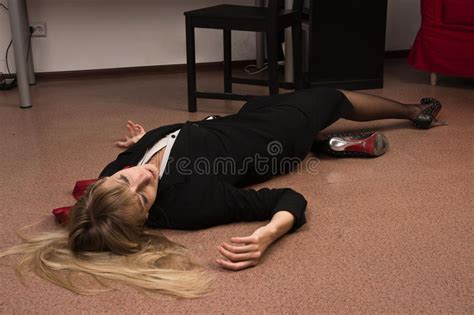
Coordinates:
238	17
230	11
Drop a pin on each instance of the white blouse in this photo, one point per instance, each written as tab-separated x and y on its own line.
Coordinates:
168	142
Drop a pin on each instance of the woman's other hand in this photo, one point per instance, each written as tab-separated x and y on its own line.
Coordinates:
135	133
246	251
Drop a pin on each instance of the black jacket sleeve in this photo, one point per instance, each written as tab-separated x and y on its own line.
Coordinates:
203	204
262	204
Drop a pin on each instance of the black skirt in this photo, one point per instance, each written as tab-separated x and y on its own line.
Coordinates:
268	136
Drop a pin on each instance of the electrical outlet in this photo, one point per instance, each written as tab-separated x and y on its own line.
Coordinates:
39	29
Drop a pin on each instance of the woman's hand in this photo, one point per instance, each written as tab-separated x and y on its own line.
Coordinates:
135	133
247	251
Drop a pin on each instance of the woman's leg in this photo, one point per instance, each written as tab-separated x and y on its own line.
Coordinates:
370	107
366	107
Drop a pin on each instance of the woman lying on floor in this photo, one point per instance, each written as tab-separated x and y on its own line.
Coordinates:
167	178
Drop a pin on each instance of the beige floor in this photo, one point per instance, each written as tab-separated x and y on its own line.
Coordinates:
392	234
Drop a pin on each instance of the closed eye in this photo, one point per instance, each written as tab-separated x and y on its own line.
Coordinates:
144	198
125	179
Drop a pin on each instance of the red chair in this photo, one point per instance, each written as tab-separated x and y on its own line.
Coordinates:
445	41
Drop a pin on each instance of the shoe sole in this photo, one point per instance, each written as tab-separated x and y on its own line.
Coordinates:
373	146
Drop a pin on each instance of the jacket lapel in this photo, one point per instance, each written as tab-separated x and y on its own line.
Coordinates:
174	174
132	155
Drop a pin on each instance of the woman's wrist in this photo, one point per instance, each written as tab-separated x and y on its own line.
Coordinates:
266	236
281	223
272	232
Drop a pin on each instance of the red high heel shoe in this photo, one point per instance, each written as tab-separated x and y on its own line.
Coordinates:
62	214
364	144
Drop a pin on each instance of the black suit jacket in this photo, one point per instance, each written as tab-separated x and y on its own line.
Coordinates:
193	201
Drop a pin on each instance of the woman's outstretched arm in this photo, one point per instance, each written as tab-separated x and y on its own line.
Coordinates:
247	251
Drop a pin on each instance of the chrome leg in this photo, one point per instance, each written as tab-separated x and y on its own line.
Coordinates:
434	78
260	41
289	72
19	29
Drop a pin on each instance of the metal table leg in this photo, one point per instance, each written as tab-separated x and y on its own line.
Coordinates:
260	41
19	29
289	72
260	46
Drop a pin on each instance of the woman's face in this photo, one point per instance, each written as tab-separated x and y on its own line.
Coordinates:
141	180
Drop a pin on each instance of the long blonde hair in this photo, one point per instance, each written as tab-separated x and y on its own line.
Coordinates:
105	240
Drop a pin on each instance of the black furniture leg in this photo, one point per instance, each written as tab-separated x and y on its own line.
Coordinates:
227	61
297	55
272	51
191	65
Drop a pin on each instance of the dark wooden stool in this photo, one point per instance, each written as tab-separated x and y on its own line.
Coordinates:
227	17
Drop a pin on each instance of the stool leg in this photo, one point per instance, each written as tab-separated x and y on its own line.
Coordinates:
272	52
434	78
191	65
297	55
227	61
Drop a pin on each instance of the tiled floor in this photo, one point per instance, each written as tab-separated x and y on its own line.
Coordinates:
392	234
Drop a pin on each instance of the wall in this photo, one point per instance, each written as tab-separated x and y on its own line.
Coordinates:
403	22
99	34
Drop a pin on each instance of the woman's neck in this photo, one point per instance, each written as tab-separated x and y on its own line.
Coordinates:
157	158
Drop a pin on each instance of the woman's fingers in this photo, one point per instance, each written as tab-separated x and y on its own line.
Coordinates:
240	249
140	129
120	144
130	129
236	265
135	129
239	257
135	132
124	143
245	240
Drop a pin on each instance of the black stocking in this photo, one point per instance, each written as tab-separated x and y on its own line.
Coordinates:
370	107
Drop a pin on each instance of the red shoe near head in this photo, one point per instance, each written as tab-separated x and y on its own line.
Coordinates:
62	214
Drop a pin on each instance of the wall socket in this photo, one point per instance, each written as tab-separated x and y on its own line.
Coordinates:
39	29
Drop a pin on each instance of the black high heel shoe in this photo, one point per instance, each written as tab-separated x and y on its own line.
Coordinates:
427	117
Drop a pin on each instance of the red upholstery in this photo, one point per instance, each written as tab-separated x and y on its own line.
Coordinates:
445	41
